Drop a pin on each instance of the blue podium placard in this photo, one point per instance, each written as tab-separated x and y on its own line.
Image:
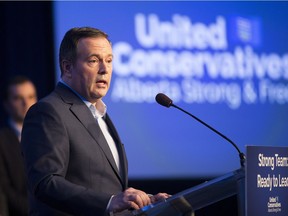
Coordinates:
266	181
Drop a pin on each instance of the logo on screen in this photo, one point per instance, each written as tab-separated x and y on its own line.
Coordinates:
246	30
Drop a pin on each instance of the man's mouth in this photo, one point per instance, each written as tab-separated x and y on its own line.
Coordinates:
101	82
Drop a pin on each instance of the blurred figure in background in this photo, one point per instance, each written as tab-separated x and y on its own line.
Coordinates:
19	94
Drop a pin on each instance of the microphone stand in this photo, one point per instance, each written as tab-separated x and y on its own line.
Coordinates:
241	154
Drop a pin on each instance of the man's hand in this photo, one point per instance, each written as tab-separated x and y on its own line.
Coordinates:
159	197
130	198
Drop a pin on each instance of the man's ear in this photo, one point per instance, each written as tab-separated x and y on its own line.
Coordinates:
67	68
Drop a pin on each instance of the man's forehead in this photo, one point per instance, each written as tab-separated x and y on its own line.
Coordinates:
89	45
94	40
29	85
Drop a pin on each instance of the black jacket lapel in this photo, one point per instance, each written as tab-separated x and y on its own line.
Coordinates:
120	147
84	115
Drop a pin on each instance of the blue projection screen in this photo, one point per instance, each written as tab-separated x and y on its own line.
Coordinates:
225	62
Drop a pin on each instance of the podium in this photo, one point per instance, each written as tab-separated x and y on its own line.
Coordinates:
200	196
265	174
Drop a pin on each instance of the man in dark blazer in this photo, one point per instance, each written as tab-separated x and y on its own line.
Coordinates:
19	94
75	161
12	176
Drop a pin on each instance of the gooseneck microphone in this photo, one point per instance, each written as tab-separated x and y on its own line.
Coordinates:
164	100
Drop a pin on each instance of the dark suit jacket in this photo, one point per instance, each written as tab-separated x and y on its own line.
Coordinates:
70	168
12	176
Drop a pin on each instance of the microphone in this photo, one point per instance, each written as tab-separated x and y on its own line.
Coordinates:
164	100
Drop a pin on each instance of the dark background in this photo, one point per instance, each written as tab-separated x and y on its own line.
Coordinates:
26	35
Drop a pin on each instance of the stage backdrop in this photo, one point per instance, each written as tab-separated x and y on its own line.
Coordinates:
225	62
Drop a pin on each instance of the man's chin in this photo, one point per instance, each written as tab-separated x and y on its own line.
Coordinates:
99	95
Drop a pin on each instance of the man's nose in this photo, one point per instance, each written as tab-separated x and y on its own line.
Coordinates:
102	68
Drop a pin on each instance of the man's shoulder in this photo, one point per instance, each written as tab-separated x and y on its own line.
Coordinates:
58	101
6	133
61	94
5	129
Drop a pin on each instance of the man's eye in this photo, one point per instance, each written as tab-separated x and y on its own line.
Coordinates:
93	61
17	98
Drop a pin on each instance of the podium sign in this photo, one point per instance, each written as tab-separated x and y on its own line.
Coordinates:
266	181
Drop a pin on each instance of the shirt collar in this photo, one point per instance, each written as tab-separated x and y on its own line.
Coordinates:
100	106
15	128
